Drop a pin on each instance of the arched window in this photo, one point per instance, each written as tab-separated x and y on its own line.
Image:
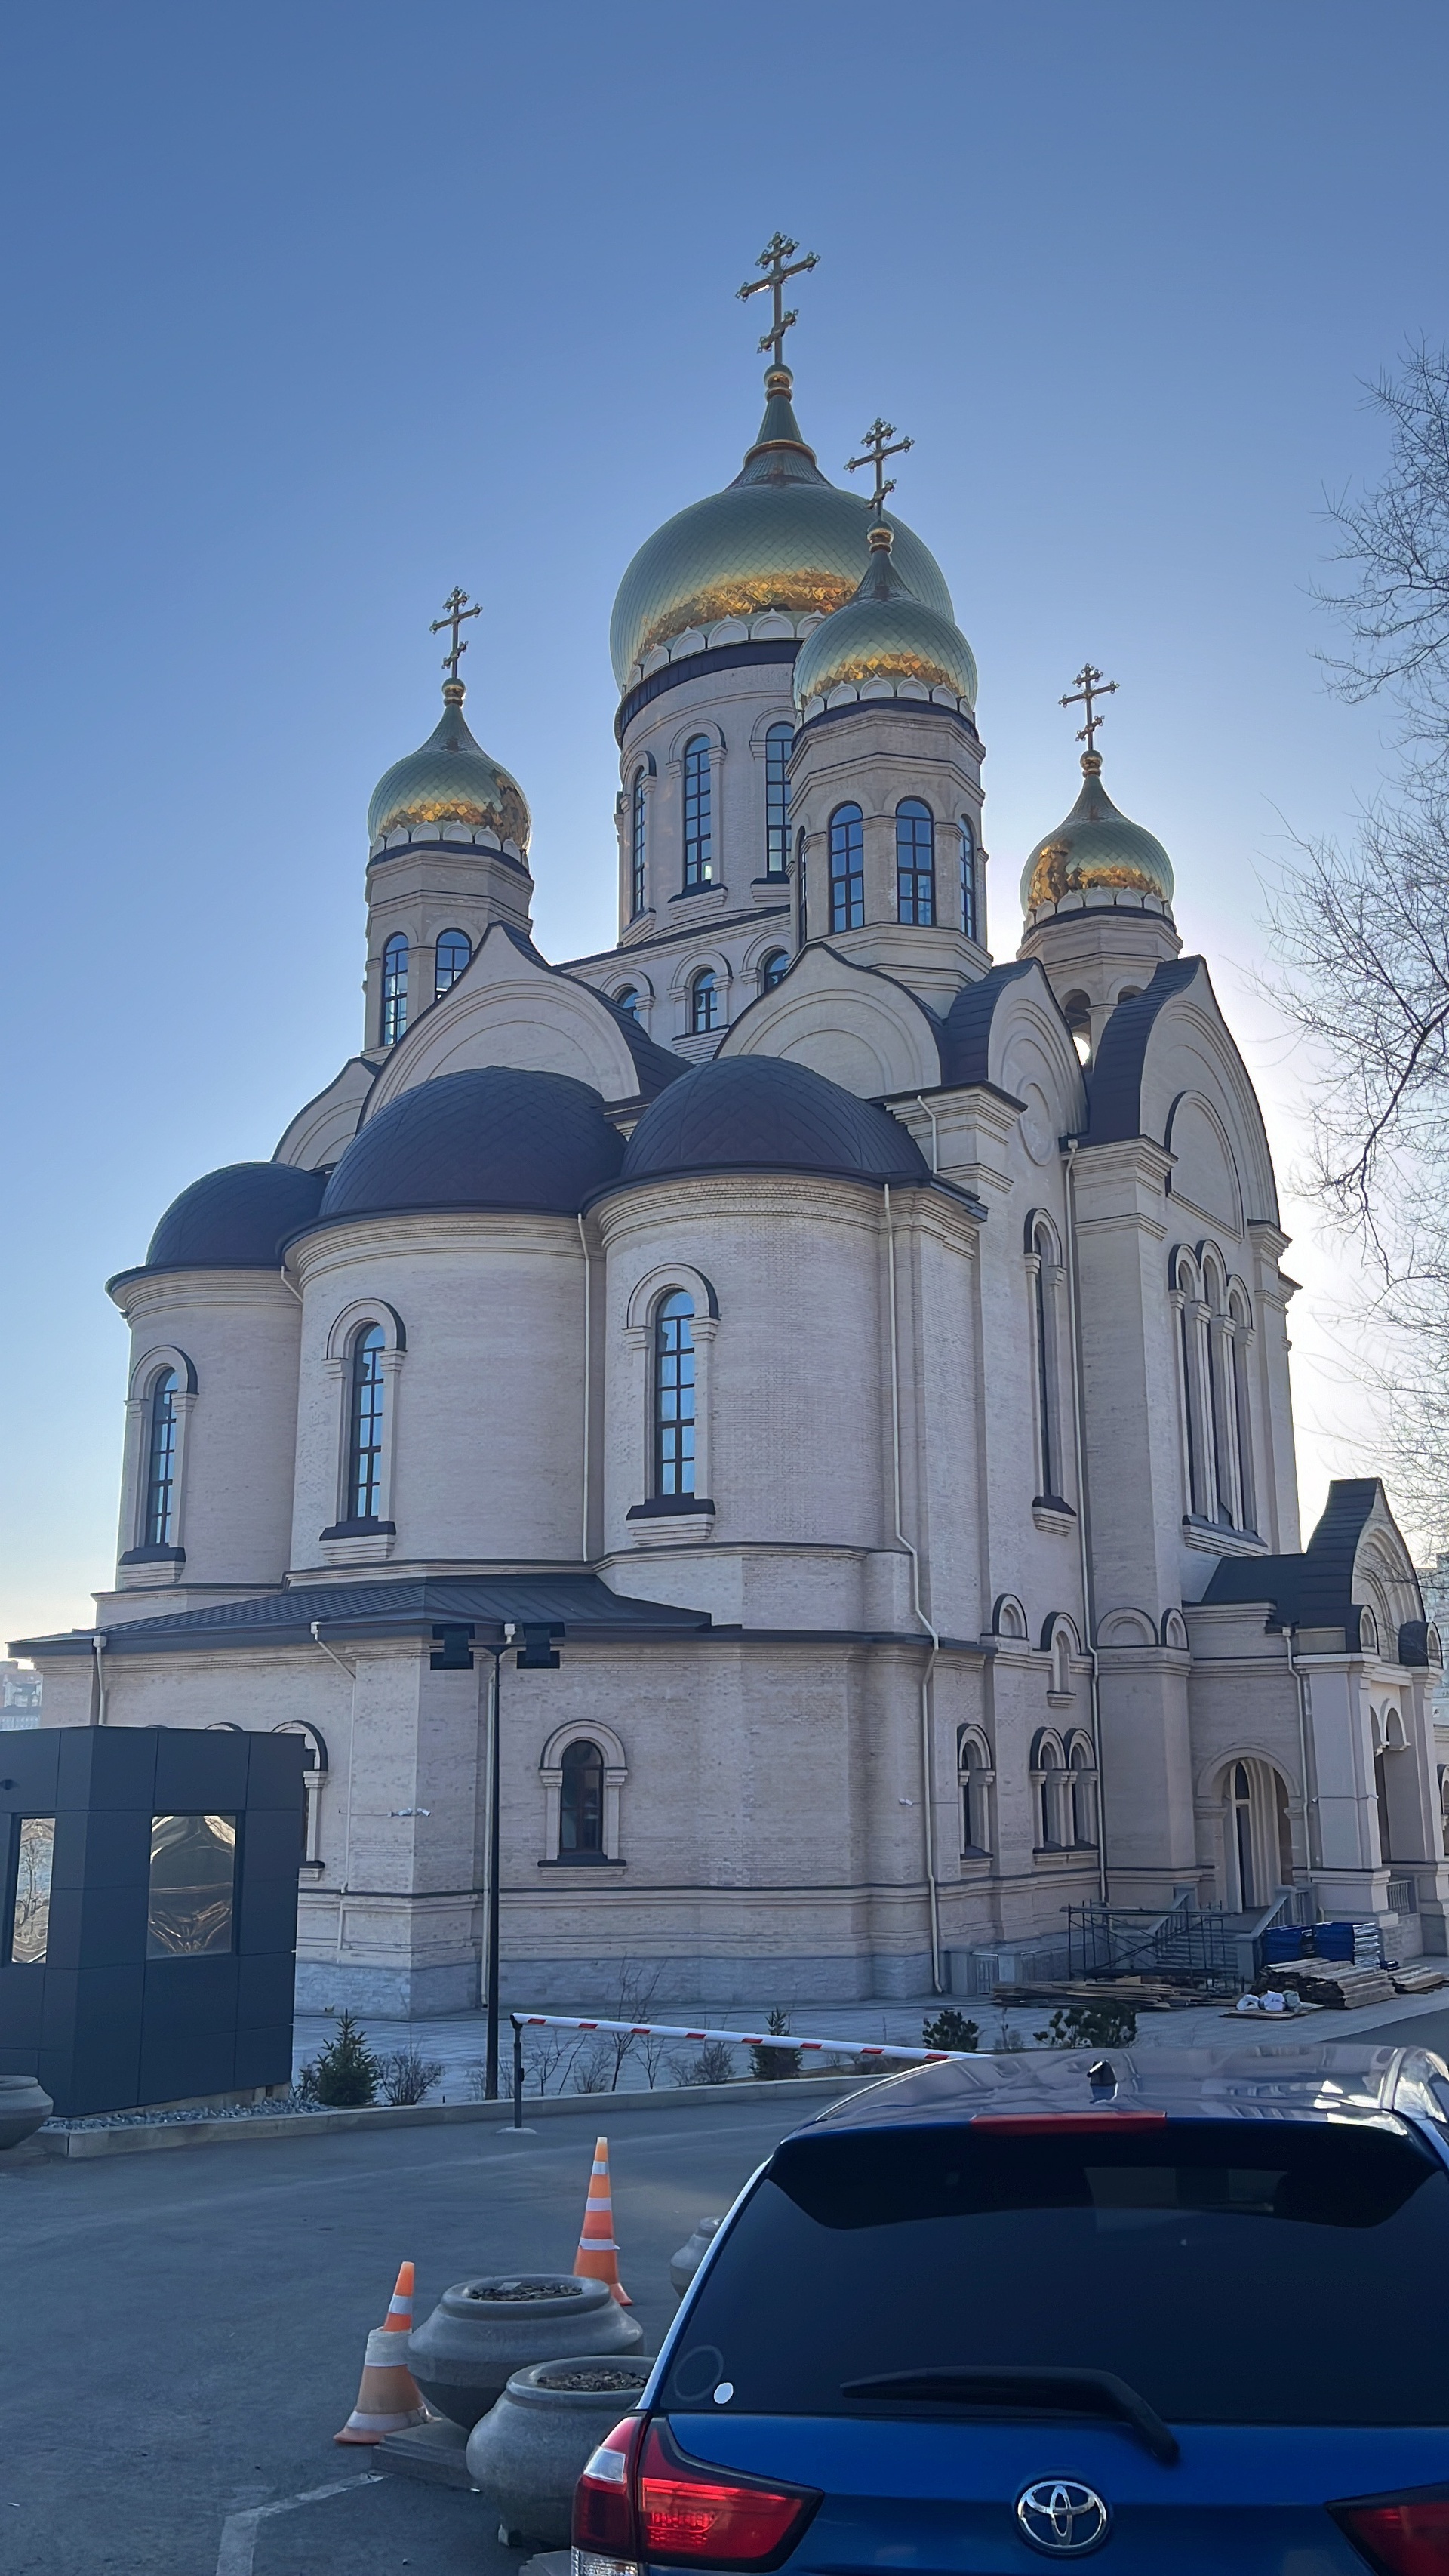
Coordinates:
1083	1791
847	868
772	968
704	1003
394	989
454	952
1052	1783
802	915
973	1767
364	1446
1185	1299
1240	1799
628	1000
674	1395
636	844
915	863
967	869
1077	1012
698	816
159	1519
1242	1408
581	1801
779	742
1048	1401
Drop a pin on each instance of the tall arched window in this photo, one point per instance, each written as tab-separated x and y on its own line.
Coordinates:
915	863
628	1000
581	1801
772	968
159	1519
966	866
674	1395
847	868
394	989
704	1003
636	844
1185	1299
454	951
802	915
779	742
698	815
1052	1782
1240	1800
1238	1312
1083	1771
364	1445
973	1767
1048	1399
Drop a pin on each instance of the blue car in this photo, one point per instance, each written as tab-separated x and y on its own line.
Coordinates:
1188	2311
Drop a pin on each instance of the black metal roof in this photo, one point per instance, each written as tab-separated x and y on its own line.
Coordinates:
1114	1079
762	1113
492	1137
235	1219
965	1033
1315	1589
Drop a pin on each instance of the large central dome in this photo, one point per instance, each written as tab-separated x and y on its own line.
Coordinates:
779	538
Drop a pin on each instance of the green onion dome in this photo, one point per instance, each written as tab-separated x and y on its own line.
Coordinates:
1096	852
885	642
780	542
451	780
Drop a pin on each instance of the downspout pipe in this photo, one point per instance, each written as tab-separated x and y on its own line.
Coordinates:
1313	1859
933	1892
99	1643
1084	1542
588	1359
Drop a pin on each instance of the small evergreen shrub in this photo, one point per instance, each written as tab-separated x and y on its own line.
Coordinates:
773	2065
950	2029
1089	2026
345	2074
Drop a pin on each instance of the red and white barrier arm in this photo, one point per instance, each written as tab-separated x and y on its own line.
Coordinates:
741	2038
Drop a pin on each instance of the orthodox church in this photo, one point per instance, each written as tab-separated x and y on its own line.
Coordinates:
816	1383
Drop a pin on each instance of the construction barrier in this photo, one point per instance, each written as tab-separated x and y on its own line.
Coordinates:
779	2039
389	2399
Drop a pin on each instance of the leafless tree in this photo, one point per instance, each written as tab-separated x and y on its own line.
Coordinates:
1395	540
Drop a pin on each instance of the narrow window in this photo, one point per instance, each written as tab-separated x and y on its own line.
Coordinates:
674	1396
698	824
1052	1793
364	1464
779	742
30	1858
801	908
1186	1333
193	1879
1083	1785
636	845
1045	1372
454	951
847	868
394	990
1244	1419
967	864
973	1769
628	1000
772	968
160	1516
581	1801
1242	1806
915	863
703	1004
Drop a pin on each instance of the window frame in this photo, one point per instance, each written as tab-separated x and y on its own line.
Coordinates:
967	885
915	875
579	1850
777	798
159	1496
366	1414
452	940
393	1017
846	844
778	959
673	1433
697	813
705	1003
638	843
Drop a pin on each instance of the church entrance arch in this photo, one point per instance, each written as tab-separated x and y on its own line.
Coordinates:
1257	1833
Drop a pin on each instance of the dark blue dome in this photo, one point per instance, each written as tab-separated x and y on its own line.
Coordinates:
758	1113
236	1219
492	1138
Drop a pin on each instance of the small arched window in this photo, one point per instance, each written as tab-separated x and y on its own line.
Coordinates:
636	844
1077	1012
581	1801
966	866
364	1446
847	868
394	990
159	1519
1053	1787
915	863
704	1003
628	1000
674	1395
973	1766
454	952
698	815
772	968
779	743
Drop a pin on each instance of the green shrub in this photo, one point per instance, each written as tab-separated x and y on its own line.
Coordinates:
772	2065
345	2074
1089	2026
950	2029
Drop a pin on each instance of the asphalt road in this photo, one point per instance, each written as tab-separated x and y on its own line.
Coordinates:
181	2334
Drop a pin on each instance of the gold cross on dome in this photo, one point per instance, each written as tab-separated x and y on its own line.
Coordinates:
1090	685
877	449
455	611
773	260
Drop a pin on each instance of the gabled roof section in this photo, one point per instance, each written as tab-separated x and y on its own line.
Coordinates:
858	1026
1114	1083
580	1604
966	1028
1356	1560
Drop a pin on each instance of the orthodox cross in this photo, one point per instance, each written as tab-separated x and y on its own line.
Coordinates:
772	260
455	611
1090	685
876	452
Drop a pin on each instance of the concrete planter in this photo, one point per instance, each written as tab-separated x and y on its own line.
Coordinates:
23	2106
481	2332
684	2264
526	2455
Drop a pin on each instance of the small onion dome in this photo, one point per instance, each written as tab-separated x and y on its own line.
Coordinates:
1096	851
492	1138
779	539
760	1113
884	640
236	1219
451	779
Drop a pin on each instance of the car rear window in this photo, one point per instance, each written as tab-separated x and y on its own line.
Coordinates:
1224	2269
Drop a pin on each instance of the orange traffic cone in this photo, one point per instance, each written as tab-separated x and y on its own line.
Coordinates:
598	2255
389	2399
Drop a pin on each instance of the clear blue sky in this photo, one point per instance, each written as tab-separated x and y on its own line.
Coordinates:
311	311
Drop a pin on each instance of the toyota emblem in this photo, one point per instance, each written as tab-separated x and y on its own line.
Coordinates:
1062	2516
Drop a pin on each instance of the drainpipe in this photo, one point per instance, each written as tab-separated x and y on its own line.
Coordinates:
933	1893
588	1284
351	1671
1310	1802
935	1132
99	1643
1079	1446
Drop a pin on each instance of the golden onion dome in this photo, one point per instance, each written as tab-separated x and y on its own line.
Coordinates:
451	779
779	538
1096	851
883	638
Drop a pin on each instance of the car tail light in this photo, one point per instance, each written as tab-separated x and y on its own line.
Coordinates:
1057	2124
1404	2535
640	2499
